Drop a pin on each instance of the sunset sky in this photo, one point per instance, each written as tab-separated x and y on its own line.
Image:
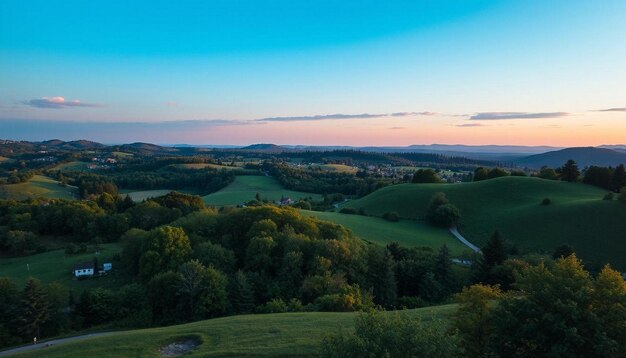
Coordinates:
315	72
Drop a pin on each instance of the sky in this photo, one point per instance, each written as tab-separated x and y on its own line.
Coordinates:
359	73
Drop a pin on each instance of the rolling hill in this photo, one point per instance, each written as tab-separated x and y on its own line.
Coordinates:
245	188
261	335
584	156
38	186
577	216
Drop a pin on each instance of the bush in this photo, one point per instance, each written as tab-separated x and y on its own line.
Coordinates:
546	201
276	305
302	204
349	211
622	195
71	249
385	334
410	302
608	196
391	216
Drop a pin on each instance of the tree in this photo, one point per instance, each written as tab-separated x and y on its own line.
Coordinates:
241	296
493	254
562	251
609	304
35	310
9	300
497	173
441	213
599	176
443	270
619	178
172	246
191	283
569	171
425	176
555	314
481	174
548	173
381	276
472	319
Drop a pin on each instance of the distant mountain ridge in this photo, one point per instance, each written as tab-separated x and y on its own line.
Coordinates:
584	156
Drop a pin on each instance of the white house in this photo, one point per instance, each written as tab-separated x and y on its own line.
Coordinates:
84	269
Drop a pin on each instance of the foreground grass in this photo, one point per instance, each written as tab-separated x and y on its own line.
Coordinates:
38	186
577	215
270	335
245	188
54	266
409	233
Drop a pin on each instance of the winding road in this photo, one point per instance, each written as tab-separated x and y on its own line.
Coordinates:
52	342
455	231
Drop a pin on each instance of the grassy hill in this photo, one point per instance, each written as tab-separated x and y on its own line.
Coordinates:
53	266
577	216
141	195
245	187
72	166
38	186
409	233
268	335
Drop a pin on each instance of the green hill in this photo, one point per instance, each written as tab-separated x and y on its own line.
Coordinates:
245	187
37	187
267	335
409	233
577	215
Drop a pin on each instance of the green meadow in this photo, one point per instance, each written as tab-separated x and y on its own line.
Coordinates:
576	216
409	233
262	335
54	266
38	186
245	187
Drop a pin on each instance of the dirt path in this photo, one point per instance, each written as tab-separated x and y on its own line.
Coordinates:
457	234
50	343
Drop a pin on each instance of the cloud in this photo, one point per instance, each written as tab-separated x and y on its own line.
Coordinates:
471	125
339	116
612	110
487	116
57	102
395	128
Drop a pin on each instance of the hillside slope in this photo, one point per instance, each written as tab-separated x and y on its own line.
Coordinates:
584	156
263	335
577	216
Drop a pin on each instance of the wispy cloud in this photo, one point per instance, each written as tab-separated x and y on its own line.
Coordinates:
471	125
612	110
57	102
339	116
487	116
396	128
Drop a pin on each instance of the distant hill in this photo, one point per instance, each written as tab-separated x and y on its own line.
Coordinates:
75	144
265	148
577	215
584	156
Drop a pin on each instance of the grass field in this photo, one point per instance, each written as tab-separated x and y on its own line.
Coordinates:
577	215
410	233
205	165
122	154
38	186
245	187
336	168
138	196
72	166
269	335
53	266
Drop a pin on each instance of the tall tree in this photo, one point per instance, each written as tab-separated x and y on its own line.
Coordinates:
569	171
443	270
619	178
241	295
35	309
493	254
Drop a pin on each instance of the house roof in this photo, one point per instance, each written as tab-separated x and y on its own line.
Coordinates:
84	265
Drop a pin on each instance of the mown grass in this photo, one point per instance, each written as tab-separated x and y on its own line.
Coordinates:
38	186
577	215
244	188
72	166
336	168
269	335
141	195
409	233
54	266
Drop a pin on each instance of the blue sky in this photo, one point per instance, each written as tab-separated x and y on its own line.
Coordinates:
462	71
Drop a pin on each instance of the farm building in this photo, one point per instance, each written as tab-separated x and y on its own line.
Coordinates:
84	269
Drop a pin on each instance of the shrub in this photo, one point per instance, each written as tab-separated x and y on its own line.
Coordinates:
391	216
546	201
276	305
608	196
622	195
71	249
